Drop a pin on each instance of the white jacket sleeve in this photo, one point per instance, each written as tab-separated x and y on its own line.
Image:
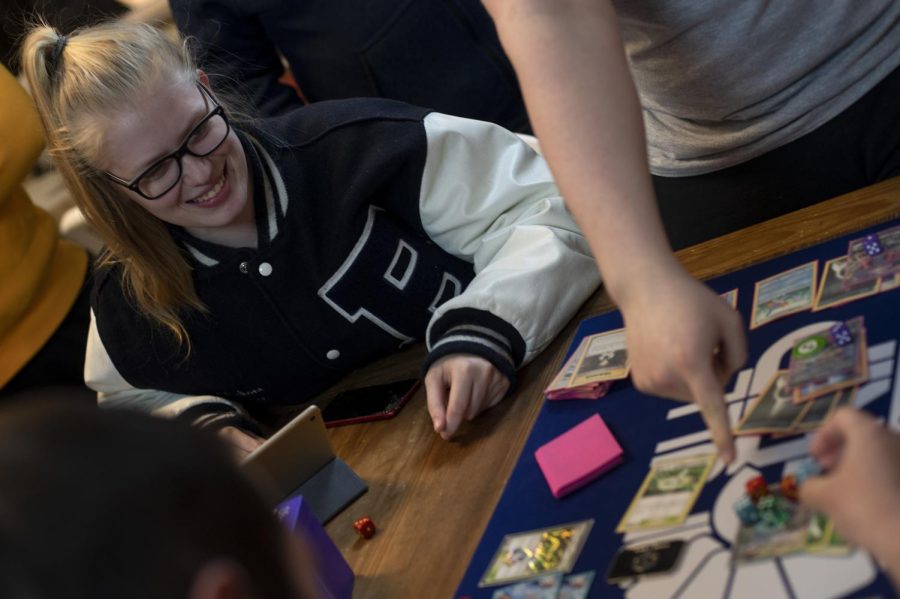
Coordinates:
489	198
113	391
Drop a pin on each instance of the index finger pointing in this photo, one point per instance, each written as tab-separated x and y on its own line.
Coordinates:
707	394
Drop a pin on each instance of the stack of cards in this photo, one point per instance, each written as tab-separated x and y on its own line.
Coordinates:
828	360
590	370
578	456
775	411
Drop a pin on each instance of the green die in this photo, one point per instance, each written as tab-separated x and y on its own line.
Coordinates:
772	513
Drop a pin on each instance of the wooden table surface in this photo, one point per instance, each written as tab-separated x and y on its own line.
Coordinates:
432	499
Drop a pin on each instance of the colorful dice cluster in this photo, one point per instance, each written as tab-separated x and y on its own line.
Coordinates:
746	510
759	506
774	511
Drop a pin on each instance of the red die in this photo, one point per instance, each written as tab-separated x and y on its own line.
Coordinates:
365	527
756	488
789	487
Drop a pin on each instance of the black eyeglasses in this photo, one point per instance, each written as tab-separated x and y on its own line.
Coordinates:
157	180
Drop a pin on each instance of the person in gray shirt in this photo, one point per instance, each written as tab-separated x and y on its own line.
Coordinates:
721	113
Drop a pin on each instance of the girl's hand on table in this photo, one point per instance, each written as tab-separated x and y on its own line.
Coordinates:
460	387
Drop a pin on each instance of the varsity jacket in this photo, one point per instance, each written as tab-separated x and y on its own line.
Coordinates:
443	54
378	224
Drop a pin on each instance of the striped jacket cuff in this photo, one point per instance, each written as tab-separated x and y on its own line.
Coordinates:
477	332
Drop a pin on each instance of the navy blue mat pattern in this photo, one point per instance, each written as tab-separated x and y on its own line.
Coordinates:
649	428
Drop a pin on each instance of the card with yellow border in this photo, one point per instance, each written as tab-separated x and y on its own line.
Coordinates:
668	493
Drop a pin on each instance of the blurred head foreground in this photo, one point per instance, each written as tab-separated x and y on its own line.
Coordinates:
104	504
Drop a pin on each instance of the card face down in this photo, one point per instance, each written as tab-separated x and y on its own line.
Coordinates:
578	456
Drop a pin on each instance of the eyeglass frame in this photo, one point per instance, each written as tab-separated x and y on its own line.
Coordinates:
178	154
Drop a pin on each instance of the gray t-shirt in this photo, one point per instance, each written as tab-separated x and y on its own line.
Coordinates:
723	81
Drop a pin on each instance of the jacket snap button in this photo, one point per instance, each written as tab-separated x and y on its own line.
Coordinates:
243	267
265	269
333	354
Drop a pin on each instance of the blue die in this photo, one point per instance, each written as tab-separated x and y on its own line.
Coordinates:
872	245
841	334
745	510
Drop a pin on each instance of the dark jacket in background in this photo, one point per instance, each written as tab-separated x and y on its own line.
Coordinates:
440	54
17	16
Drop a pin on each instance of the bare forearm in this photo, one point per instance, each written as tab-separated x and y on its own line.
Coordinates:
683	340
571	65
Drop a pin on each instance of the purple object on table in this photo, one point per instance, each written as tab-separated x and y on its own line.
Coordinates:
841	334
872	245
334	578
